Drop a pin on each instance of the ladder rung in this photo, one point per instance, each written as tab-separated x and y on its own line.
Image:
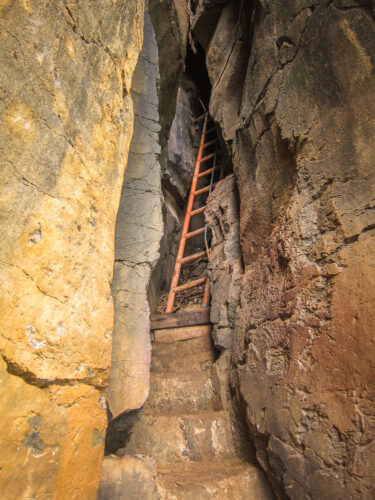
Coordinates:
189	285
197	211
212	129
209	143
203	190
201	117
195	233
208	157
206	172
195	256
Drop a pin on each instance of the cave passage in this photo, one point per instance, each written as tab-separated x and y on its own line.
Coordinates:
218	162
173	177
196	69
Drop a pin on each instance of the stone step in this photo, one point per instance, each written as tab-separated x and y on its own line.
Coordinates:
138	477
190	436
184	356
182	392
227	479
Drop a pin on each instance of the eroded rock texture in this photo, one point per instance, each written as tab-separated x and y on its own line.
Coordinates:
66	124
292	91
139	228
185	431
225	262
128	476
142	218
171	22
140	223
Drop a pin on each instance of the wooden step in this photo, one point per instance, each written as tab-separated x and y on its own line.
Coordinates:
208	157
183	356
195	233
205	189
168	335
180	318
210	143
206	172
191	284
201	191
201	117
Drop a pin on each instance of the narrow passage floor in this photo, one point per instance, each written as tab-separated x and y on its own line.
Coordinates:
185	429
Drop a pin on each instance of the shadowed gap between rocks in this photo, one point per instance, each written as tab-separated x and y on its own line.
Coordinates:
177	175
176	159
146	243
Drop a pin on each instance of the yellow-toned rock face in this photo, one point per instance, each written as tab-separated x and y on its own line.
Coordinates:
53	439
66	120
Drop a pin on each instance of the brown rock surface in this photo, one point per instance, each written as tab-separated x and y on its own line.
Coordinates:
219	480
185	429
170	20
182	142
67	121
225	263
139	225
299	123
128	477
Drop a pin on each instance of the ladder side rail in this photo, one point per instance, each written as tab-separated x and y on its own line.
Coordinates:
206	293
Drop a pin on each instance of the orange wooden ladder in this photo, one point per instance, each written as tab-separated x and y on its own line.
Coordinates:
185	235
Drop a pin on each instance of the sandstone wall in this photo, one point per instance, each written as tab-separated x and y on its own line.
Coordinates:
292	91
66	125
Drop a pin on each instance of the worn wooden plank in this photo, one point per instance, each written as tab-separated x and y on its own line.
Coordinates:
180	318
168	335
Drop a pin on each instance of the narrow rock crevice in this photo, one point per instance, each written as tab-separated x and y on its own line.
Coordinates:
274	384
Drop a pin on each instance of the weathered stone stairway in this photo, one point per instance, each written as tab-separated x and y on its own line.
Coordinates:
185	429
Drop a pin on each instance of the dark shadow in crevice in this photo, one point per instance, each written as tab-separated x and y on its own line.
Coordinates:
119	430
195	68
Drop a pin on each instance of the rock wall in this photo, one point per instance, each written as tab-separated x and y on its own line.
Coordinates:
225	262
177	162
140	222
139	228
292	91
177	110
171	22
66	125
